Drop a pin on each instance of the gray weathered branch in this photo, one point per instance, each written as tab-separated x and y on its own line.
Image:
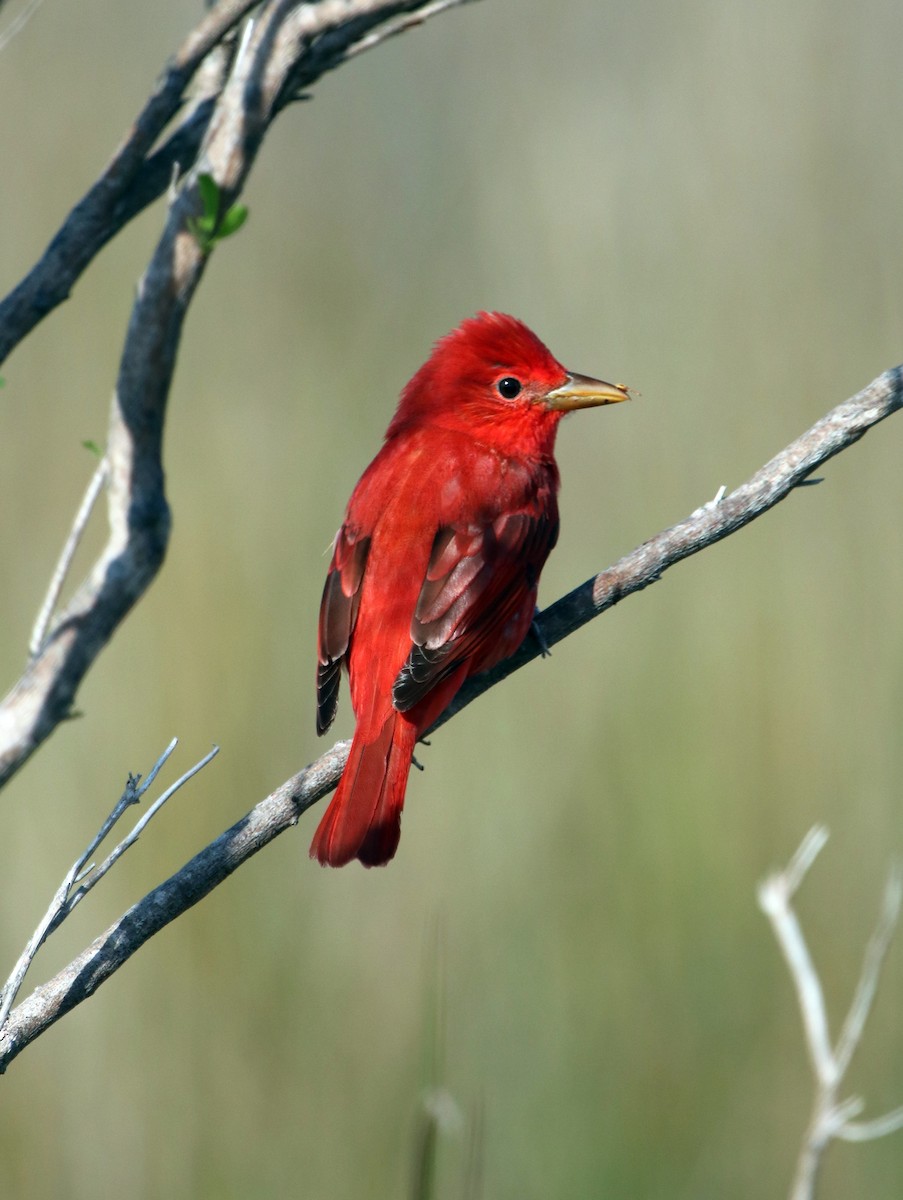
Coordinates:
836	431
283	807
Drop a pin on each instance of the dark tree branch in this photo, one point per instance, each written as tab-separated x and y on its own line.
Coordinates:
242	89
842	427
91	224
311	41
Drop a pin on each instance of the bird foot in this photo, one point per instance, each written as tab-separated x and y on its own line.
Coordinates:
545	650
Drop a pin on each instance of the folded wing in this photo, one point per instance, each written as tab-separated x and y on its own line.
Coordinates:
477	599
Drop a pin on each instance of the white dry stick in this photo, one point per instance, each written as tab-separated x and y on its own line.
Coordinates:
713	503
401	25
94	875
65	899
18	23
44	617
830	1118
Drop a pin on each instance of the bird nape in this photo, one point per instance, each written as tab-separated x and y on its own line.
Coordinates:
435	569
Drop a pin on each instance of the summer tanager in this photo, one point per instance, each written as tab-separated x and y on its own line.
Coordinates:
435	569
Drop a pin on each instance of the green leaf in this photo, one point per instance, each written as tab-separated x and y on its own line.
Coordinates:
232	221
209	227
93	447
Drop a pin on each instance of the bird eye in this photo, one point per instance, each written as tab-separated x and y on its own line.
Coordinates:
509	387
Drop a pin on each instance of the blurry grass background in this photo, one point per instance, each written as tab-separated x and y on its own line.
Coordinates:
702	200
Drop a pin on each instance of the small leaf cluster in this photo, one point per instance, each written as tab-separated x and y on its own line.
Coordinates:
213	225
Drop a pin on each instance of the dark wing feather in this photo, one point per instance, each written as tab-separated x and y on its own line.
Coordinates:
479	577
338	613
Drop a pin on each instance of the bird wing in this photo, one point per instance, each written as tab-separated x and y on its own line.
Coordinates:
481	578
338	613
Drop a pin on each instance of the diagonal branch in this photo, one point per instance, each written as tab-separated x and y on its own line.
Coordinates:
283	807
81	878
836	431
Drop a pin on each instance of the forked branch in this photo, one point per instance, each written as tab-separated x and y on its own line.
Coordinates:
832	1118
83	875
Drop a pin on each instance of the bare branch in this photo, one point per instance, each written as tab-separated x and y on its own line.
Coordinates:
93	875
18	23
842	427
775	896
58	579
89	226
831	1119
402	25
799	866
879	944
315	39
289	45
867	1131
84	975
65	899
282	809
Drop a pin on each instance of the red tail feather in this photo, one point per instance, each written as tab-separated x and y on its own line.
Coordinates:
363	819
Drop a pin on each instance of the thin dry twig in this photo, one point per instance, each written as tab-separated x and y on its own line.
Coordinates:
81	978
58	579
18	23
775	896
879	944
86	877
92	875
831	1118
401	25
283	807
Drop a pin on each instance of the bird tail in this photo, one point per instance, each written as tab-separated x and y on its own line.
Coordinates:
363	819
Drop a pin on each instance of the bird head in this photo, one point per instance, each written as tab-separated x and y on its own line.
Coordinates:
493	378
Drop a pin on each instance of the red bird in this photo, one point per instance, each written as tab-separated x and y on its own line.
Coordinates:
435	569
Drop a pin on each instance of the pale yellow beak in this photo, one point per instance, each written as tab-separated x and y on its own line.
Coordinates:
580	391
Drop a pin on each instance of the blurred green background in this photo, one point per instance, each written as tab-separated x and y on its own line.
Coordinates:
703	200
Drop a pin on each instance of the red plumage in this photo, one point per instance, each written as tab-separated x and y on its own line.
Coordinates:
435	569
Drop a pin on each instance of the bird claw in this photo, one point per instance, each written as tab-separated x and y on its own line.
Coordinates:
545	649
414	762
